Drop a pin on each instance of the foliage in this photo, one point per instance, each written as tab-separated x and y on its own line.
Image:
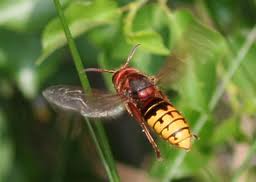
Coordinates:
215	88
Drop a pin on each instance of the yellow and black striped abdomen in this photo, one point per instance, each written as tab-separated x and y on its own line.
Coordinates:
164	118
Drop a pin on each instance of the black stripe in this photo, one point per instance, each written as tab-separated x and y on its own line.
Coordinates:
161	119
161	133
177	120
174	111
153	110
177	131
149	104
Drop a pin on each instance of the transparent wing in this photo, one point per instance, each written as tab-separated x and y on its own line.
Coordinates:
95	105
196	45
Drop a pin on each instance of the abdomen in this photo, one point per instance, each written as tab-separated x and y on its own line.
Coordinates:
167	122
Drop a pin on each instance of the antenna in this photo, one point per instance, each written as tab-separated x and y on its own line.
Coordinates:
131	55
99	70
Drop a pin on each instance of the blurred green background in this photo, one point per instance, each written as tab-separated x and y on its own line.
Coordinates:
216	91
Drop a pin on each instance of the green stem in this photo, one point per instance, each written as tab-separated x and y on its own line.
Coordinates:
72	47
100	140
233	68
174	165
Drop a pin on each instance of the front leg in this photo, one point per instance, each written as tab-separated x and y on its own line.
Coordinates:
136	113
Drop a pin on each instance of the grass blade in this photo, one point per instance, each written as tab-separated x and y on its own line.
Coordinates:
100	140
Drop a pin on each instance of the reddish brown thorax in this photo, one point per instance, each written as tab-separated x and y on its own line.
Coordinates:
130	83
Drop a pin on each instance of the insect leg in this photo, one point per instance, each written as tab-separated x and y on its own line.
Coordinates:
195	136
139	118
151	139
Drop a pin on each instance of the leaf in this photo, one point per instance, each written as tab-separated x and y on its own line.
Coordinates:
19	64
80	17
200	48
23	15
149	40
138	29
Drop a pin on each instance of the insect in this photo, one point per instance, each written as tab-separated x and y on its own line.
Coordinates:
135	92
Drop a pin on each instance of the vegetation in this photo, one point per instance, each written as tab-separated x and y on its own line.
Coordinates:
45	43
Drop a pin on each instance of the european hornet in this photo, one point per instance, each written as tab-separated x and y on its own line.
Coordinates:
135	92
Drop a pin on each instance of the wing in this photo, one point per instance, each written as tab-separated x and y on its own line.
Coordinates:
197	45
95	105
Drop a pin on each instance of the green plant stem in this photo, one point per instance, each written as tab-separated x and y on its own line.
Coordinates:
100	140
174	165
236	63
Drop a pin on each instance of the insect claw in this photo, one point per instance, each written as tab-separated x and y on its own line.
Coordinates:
160	158
158	155
196	137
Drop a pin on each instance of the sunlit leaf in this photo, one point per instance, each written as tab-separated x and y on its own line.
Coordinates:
149	40
141	31
22	15
81	17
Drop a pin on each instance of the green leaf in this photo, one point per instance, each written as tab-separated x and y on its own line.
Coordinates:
81	17
149	40
200	48
138	30
18	65
23	15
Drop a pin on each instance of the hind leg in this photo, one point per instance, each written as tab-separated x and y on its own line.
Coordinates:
135	113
